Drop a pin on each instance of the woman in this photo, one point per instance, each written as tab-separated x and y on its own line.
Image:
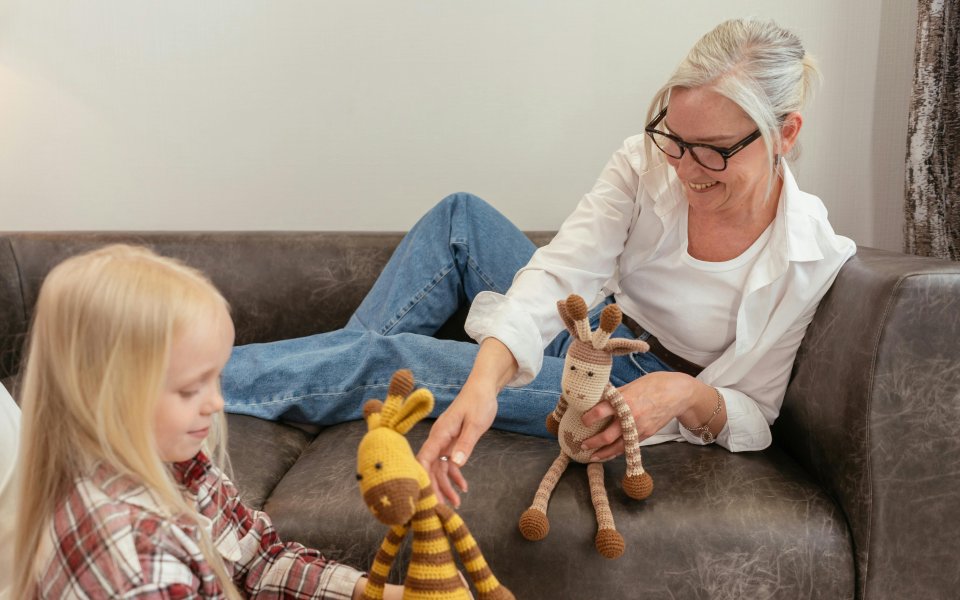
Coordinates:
696	229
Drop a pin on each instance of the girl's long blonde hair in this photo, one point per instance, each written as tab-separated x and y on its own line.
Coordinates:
98	353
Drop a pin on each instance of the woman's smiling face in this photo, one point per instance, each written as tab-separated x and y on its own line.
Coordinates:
701	115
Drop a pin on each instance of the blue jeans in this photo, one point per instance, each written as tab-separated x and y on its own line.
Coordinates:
460	248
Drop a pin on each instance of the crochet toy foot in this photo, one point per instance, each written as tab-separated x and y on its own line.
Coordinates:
534	525
610	543
553	425
638	487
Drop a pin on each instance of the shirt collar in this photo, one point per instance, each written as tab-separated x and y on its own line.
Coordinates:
794	234
121	487
802	212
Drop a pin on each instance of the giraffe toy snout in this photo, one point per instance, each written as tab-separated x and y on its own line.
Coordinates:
393	502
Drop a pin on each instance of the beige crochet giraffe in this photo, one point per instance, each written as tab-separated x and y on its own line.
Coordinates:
586	381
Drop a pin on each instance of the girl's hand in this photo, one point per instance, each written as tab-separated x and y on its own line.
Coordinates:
465	584
654	400
395	592
454	435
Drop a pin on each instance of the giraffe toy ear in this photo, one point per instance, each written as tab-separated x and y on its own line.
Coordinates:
415	407
618	346
403	409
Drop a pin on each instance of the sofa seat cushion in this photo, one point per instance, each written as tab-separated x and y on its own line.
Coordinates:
718	525
261	452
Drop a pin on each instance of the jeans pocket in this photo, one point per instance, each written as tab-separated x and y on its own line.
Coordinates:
636	363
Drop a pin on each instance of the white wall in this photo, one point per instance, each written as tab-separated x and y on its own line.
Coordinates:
270	114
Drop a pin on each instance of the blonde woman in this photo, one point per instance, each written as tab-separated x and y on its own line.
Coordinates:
120	495
696	228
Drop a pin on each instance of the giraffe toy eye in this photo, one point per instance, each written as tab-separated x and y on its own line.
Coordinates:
359	476
378	466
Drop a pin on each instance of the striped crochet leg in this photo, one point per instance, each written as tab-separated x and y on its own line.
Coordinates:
637	483
382	563
488	587
609	542
553	419
534	524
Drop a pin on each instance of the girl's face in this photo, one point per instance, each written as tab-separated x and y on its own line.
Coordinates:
701	115
191	391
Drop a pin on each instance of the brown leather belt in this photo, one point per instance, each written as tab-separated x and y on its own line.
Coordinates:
675	362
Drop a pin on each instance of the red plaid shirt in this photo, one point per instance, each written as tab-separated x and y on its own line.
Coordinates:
111	539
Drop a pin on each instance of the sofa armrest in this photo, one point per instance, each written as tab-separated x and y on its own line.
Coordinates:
873	412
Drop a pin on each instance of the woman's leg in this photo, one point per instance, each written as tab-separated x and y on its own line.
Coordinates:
326	378
458	249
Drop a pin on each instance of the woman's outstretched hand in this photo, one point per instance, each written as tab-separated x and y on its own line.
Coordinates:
457	431
452	439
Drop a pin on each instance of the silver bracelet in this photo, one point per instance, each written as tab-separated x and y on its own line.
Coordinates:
706	436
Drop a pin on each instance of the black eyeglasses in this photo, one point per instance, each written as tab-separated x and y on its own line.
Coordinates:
707	156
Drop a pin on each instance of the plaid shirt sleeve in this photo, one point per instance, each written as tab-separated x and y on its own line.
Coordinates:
265	566
111	540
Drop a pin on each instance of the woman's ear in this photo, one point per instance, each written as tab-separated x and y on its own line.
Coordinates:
789	132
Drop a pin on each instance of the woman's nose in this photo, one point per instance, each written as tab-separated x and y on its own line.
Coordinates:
686	166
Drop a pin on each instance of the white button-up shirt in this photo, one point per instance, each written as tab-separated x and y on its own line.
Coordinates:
615	231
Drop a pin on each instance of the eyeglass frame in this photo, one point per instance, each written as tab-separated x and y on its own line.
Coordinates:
724	153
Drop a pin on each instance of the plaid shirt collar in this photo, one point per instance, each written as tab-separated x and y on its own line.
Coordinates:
192	475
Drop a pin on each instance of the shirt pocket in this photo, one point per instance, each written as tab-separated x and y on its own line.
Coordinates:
228	547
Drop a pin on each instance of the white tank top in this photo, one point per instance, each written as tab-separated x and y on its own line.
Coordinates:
700	298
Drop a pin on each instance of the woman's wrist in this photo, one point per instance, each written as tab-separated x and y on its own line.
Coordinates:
706	414
493	368
705	408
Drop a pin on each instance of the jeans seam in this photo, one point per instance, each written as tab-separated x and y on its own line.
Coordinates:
426	384
299	397
416	299
475	267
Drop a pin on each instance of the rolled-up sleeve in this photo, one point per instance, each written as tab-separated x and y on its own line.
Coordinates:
581	259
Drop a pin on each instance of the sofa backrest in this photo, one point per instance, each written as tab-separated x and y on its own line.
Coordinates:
280	285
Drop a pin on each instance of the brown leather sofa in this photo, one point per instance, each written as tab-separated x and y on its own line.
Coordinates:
858	497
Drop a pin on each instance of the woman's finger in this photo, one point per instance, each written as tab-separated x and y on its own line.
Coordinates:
439	440
607	452
445	489
607	436
457	477
599	412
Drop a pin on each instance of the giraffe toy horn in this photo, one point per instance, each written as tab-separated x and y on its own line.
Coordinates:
577	311
610	319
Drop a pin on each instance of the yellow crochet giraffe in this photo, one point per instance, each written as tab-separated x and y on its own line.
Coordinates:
586	381
397	491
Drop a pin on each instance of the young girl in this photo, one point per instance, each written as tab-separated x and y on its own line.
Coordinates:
122	431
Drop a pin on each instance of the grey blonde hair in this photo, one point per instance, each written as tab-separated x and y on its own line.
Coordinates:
99	348
760	66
